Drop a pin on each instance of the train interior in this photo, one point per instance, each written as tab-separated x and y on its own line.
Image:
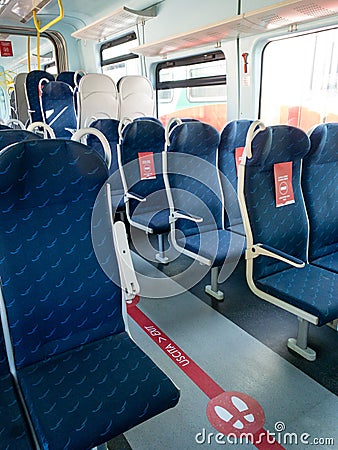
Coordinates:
169	238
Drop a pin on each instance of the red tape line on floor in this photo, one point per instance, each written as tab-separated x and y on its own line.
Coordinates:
228	412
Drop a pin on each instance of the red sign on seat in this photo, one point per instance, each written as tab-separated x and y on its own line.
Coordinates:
147	166
6	48
283	184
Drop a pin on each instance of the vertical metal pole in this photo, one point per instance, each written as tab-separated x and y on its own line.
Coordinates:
302	334
214	279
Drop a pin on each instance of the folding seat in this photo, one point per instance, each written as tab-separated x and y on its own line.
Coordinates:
194	194
57	106
82	378
320	188
34	82
13	431
230	150
136	97
97	98
277	229
20	97
110	129
141	143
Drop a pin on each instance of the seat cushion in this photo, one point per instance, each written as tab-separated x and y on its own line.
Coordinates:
100	389
311	289
13	434
216	245
158	221
328	262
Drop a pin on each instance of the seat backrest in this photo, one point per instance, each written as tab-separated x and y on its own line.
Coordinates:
97	98
110	128
33	92
136	97
20	97
55	291
69	77
58	111
10	136
139	138
193	175
320	188
284	227
231	147
13	432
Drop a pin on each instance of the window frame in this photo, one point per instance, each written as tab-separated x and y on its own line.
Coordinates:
114	43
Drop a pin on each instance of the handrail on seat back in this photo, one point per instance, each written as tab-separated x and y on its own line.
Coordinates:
76	366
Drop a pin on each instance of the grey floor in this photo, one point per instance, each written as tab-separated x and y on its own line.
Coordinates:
237	361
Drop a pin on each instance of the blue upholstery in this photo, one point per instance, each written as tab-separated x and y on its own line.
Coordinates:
233	136
109	127
145	135
320	187
195	188
33	95
13	432
83	379
9	137
285	228
69	78
58	108
4	127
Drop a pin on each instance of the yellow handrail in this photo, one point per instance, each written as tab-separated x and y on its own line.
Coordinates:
52	22
29	53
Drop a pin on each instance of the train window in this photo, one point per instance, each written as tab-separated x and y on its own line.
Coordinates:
193	87
116	58
300	80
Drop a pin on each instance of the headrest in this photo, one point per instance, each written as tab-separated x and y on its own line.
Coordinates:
195	138
142	136
37	173
324	143
57	90
10	136
134	84
234	135
277	144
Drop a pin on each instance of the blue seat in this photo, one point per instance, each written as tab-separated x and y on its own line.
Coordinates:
13	431
70	77
320	188
195	198
4	127
10	136
277	236
110	127
82	378
58	110
145	197
33	83
233	138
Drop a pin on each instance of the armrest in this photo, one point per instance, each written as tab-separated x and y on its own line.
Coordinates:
133	196
129	283
180	215
266	250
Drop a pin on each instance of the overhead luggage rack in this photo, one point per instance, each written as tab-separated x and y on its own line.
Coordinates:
115	22
286	13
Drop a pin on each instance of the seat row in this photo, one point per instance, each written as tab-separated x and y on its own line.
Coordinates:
74	99
183	180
